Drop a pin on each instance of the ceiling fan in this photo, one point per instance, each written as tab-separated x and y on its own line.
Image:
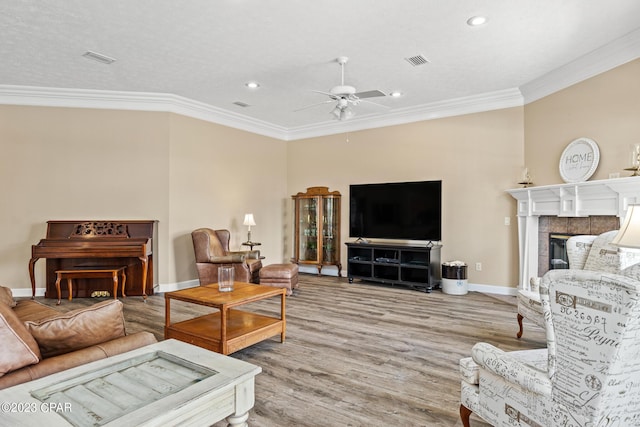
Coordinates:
344	96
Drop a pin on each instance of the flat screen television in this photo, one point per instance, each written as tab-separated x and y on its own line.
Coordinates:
398	210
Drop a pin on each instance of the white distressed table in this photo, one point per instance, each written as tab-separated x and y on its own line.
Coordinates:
170	383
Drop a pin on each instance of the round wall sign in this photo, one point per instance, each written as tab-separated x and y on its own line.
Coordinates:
579	160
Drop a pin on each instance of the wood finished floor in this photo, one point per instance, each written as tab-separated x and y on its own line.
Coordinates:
359	354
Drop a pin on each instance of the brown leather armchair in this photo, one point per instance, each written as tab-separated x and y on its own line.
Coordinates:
211	248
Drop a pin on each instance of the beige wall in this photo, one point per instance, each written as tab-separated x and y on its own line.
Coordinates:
60	163
217	174
605	108
476	156
64	163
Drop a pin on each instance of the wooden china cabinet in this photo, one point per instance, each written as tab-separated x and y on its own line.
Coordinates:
317	228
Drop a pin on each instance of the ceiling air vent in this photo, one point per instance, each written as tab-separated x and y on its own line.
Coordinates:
241	104
417	60
99	57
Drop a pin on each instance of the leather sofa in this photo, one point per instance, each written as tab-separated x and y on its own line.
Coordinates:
38	340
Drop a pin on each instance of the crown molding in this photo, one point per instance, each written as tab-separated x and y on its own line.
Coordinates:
162	102
436	110
612	55
137	101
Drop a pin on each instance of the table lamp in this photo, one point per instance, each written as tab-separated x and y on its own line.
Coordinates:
249	221
629	234
628	238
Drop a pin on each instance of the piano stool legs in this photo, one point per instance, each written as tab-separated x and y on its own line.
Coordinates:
91	273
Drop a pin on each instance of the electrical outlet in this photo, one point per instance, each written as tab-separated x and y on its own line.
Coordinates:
478	266
507	220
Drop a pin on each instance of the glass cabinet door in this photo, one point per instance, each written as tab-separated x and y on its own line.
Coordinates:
317	228
308	229
330	241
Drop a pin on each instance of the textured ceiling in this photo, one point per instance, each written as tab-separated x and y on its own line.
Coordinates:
205	50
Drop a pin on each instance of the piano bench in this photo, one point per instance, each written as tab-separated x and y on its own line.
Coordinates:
91	273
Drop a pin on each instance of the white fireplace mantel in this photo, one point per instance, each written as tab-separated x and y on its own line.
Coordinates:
583	199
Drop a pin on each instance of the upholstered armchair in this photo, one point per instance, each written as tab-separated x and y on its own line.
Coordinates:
211	248
578	250
589	374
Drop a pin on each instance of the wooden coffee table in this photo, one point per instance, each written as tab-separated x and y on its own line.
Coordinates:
227	330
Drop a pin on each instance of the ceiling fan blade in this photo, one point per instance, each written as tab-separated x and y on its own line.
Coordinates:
374	103
315	105
329	94
369	94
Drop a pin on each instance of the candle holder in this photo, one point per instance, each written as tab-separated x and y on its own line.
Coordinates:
636	170
526	179
635	161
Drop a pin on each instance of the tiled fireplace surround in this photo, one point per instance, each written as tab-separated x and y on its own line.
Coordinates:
591	207
548	225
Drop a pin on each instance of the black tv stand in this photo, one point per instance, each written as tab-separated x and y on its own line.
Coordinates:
415	266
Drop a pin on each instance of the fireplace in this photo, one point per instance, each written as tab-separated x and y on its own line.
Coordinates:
558	259
591	207
553	233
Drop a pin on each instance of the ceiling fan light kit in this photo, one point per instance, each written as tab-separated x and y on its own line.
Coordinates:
345	96
342	113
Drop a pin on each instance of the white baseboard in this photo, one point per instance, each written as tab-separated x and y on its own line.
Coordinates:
169	287
487	289
26	292
492	289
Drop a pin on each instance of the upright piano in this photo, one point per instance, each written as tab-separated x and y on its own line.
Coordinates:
70	244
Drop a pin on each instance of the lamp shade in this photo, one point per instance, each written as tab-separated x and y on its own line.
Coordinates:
248	220
629	234
346	113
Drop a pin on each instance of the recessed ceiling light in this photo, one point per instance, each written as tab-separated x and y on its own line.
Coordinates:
395	94
474	21
252	85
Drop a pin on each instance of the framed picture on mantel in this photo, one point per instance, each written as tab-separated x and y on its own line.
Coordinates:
579	160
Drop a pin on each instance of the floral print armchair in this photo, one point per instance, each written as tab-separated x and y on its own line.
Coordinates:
589	374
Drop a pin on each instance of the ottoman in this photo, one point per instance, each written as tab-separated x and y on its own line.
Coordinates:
281	276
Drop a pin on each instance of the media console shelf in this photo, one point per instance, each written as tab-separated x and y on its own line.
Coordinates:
395	264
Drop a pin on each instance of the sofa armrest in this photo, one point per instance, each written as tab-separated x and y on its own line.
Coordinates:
232	258
511	369
255	254
66	361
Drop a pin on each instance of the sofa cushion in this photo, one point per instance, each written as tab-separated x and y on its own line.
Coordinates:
79	328
6	296
18	347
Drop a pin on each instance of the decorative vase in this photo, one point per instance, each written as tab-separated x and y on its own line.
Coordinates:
225	278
